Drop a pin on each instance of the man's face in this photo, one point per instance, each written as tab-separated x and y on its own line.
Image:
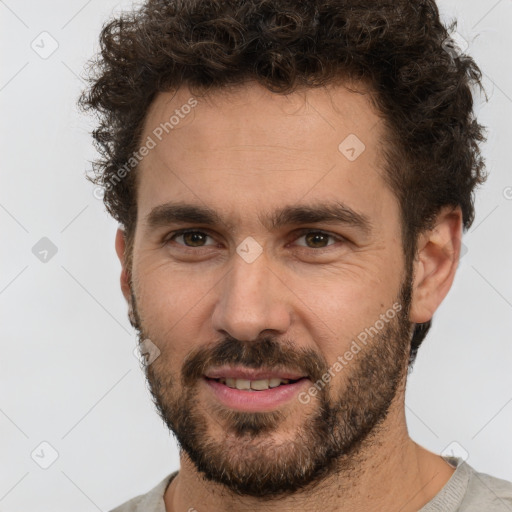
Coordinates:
289	297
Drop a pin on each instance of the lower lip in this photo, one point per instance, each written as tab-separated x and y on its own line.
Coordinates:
245	400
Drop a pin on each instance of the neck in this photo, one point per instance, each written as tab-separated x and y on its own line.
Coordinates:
389	472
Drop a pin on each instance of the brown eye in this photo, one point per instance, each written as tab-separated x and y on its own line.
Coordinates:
191	238
316	239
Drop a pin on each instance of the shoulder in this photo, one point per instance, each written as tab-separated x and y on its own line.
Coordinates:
152	501
486	492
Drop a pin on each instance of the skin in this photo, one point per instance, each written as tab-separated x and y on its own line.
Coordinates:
245	153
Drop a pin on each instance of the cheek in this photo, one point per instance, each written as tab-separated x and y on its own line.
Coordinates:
356	281
169	299
339	307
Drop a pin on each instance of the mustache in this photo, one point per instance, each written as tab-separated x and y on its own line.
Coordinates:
266	353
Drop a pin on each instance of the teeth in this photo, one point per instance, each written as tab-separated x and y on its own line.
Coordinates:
273	383
257	385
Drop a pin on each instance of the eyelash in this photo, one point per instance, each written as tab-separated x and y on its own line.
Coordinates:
301	233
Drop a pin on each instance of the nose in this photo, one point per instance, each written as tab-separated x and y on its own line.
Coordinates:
252	299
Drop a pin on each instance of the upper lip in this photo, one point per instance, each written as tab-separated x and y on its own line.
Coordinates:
251	374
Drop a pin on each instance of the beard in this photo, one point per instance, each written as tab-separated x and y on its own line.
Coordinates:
253	454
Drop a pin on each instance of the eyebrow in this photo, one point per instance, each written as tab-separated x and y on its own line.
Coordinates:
171	213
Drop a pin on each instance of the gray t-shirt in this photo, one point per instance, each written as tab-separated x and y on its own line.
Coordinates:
466	491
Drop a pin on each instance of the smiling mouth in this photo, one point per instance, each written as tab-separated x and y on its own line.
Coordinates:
255	385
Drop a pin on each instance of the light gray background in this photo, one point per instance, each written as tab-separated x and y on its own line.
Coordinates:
67	370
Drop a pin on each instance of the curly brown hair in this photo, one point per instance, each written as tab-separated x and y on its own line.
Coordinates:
399	48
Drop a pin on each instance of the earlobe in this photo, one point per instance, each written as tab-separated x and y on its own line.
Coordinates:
120	245
435	265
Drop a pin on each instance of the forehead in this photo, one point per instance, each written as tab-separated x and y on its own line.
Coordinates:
247	148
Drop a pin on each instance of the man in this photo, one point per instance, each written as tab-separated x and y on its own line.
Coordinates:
292	181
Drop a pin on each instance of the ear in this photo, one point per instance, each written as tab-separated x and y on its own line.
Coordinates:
436	262
121	254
